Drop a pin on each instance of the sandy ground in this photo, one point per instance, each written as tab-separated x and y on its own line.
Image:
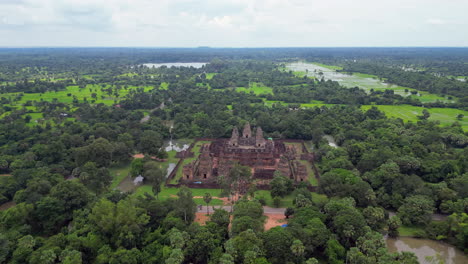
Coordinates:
201	218
273	220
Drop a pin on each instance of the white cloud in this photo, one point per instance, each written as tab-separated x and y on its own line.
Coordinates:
436	21
233	22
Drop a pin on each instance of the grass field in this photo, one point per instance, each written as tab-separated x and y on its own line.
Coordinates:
286	201
164	86
118	174
446	116
167	193
331	67
364	81
210	75
256	88
409	231
66	96
426	97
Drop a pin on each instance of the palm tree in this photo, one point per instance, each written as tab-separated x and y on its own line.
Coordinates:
207	199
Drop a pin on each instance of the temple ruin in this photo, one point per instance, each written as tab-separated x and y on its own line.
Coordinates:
263	156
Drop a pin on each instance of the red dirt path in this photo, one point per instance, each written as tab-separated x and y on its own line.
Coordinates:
273	220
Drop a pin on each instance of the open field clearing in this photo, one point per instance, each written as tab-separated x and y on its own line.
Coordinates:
446	116
367	82
256	88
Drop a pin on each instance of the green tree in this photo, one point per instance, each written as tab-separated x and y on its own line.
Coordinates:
49	212
176	257
280	185
93	178
416	210
335	252
375	217
288	212
23	250
70	256
393	224
207	200
239	178
185	204
298	249
243	242
154	175
312	232
150	142
276	201
72	193
136	167
201	245
425	115
277	244
226	259
122	224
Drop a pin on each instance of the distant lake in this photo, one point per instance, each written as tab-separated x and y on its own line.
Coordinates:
176	64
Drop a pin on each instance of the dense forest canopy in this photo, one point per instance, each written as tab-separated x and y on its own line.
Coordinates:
98	107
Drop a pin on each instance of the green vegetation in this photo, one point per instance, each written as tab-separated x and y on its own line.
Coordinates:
331	67
410	231
256	88
446	116
286	201
171	193
118	174
415	169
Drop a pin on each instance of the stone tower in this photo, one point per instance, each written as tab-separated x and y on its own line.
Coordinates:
234	141
259	140
247	133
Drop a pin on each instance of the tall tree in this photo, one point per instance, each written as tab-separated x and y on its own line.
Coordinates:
185	204
207	200
154	175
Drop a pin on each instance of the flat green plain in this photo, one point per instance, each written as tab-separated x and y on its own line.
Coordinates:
446	116
366	82
256	88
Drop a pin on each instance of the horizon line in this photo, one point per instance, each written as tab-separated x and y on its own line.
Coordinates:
224	47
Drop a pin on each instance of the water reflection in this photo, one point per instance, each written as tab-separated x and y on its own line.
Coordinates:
346	80
426	248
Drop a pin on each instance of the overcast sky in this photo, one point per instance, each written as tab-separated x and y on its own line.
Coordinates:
233	23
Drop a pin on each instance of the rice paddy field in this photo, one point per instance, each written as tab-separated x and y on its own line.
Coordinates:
366	82
446	116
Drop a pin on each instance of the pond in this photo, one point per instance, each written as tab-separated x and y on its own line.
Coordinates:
176	64
426	249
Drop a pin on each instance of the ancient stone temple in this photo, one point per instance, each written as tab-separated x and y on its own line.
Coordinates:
263	156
